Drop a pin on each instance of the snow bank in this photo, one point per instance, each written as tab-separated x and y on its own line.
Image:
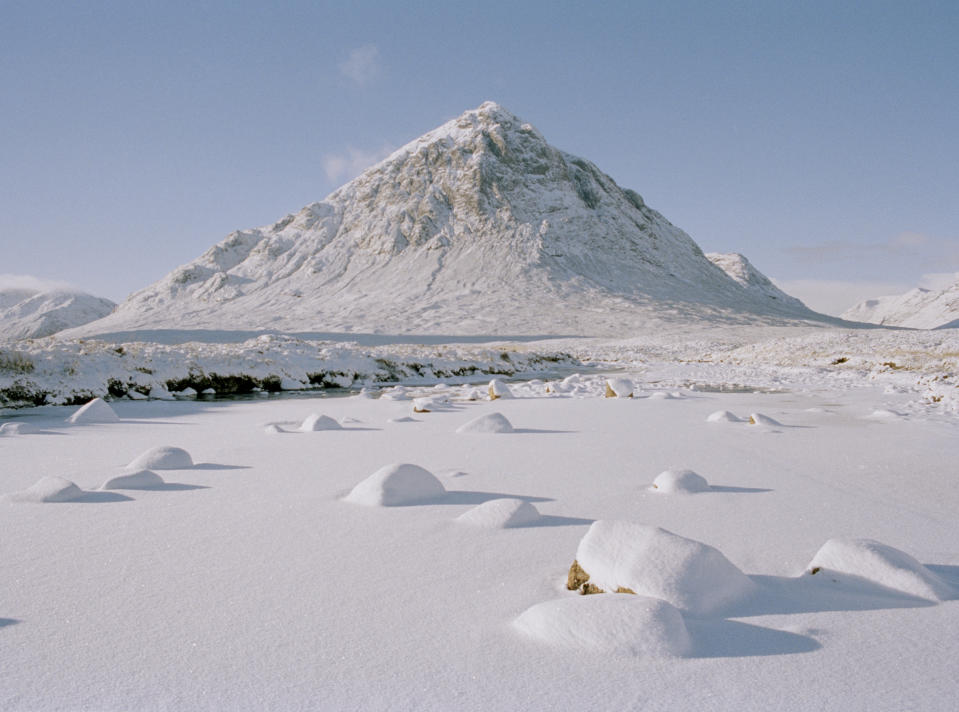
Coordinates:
723	416
141	479
96	411
619	388
395	485
48	489
316	422
489	423
501	514
881	564
679	482
623	625
649	561
163	457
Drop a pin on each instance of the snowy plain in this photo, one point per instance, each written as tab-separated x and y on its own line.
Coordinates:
248	580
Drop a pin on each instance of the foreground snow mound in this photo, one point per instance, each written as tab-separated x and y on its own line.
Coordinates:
141	479
17	429
49	489
489	423
649	561
723	416
623	625
881	564
763	420
96	411
396	485
163	457
619	388
679	482
501	514
315	423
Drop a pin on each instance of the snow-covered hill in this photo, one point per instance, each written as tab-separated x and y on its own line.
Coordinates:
743	271
918	309
477	227
31	314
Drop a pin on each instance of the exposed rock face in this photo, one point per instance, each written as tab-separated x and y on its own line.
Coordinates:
477	227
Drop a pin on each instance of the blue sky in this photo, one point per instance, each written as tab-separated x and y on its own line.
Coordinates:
817	138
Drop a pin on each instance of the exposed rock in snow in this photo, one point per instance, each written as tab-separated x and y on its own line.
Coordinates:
501	514
623	625
39	314
396	485
498	389
477	227
648	561
141	479
96	411
48	489
881	564
679	481
917	309
489	423
163	457
619	388
742	271
316	422
723	416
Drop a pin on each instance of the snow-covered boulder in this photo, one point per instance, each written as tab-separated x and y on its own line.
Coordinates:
498	389
425	405
136	395
679	482
501	514
396	485
163	457
723	416
159	391
273	429
187	392
48	489
96	411
316	422
881	564
621	625
489	423
763	420
141	479
396	393
208	392
619	388
15	428
619	556
292	384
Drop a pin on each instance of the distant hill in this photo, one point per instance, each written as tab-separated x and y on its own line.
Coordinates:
918	309
32	314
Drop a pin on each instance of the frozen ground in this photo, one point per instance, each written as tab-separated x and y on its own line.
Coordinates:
246	581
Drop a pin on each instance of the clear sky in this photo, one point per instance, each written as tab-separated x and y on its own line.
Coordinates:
817	138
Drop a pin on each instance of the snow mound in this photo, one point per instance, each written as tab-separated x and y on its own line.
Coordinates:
273	429
498	389
679	481
489	423
881	564
623	625
619	388
187	392
403	419
396	485
49	489
316	422
96	411
163	457
14	428
665	395
425	405
159	391
395	393
723	416
883	414
141	479
501	514
650	561
760	419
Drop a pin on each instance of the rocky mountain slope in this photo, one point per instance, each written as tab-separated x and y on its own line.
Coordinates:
31	314
477	227
918	309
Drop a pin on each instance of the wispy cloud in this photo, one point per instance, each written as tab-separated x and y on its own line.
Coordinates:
353	161
29	282
363	64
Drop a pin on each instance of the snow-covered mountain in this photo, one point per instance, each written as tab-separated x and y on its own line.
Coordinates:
477	227
918	309
743	271
32	314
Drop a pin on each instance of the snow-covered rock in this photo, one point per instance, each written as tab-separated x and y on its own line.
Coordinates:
619	388
501	513
679	482
316	422
498	389
723	416
141	479
397	485
488	423
649	561
604	625
39	314
164	457
443	237
880	564
763	420
48	489
917	309
96	411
